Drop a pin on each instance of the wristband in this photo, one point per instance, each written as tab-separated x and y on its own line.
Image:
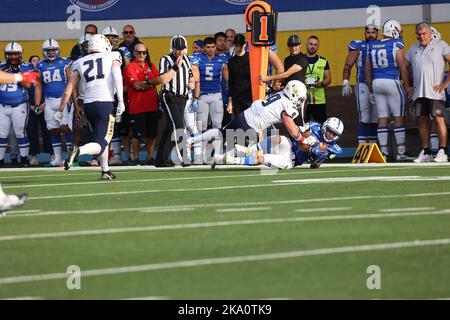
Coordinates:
196	98
300	138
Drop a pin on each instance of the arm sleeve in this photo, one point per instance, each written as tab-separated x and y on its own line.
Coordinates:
118	82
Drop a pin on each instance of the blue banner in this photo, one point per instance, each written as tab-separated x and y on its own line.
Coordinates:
51	10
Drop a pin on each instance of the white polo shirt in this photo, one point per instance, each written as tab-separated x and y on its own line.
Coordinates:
428	65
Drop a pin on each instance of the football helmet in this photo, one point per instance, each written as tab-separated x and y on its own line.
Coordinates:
391	29
48	46
13	48
111	34
99	43
334	125
435	34
296	92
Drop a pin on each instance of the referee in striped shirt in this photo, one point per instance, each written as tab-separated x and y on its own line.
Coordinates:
175	90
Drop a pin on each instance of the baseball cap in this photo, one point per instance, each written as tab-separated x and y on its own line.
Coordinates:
293	40
178	43
239	39
199	42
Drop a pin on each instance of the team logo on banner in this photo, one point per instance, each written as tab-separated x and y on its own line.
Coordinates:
239	2
94	5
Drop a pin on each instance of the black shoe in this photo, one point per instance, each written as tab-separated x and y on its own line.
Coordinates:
150	162
185	164
108	175
24	162
2	163
73	155
14	162
164	164
132	162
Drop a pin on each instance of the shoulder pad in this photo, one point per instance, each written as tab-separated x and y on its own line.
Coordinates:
354	45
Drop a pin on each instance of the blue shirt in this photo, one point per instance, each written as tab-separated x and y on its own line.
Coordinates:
14	94
382	56
302	157
53	75
211	73
361	61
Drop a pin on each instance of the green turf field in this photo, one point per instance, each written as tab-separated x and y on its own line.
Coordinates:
230	233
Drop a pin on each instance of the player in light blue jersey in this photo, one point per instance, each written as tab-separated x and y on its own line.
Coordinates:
14	103
367	112
384	64
212	68
285	153
55	73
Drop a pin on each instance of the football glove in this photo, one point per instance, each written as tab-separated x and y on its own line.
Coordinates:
194	106
346	89
372	98
58	116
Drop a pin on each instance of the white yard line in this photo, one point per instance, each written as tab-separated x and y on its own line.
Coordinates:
228	260
323	209
212	205
23	298
198	225
406	209
148	298
244	209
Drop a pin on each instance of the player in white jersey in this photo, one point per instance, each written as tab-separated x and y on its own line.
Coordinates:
100	74
282	107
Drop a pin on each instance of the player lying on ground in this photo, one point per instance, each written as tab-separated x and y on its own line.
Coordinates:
276	151
8	202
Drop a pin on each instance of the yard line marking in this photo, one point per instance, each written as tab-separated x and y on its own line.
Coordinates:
95	232
323	209
212	205
228	260
244	209
23	298
406	209
147	298
150	209
264	185
302	171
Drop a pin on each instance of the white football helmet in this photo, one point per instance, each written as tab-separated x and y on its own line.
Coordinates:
13	47
296	92
84	38
111	32
50	44
391	29
334	125
99	43
435	34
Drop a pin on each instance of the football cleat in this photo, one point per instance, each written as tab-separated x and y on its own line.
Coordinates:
73	155
108	175
241	149
404	157
441	156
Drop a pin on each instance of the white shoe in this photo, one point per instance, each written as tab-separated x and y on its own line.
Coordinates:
441	156
52	158
245	150
404	157
56	163
34	161
229	159
423	157
219	158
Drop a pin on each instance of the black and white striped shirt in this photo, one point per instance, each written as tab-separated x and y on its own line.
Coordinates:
179	83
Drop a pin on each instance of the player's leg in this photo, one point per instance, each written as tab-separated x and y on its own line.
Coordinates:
438	112
19	119
51	107
379	91
216	114
203	113
8	202
190	123
66	125
5	125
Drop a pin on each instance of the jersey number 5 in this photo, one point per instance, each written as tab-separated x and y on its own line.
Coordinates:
98	73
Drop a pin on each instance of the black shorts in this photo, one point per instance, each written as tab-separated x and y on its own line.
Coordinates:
425	107
144	125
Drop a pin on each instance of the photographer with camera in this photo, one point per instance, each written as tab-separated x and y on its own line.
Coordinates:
318	76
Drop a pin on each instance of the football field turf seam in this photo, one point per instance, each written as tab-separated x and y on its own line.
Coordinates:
303	171
227	260
155	209
277	183
199	225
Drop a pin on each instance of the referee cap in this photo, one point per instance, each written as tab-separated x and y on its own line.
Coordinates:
293	40
178	43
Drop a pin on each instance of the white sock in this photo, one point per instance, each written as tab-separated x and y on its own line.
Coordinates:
90	148
434	141
400	137
383	139
104	160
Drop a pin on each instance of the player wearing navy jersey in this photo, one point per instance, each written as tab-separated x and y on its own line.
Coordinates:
283	153
55	72
384	64
367	111
100	75
213	69
14	103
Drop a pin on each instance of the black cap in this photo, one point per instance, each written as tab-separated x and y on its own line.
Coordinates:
178	43
239	39
293	40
